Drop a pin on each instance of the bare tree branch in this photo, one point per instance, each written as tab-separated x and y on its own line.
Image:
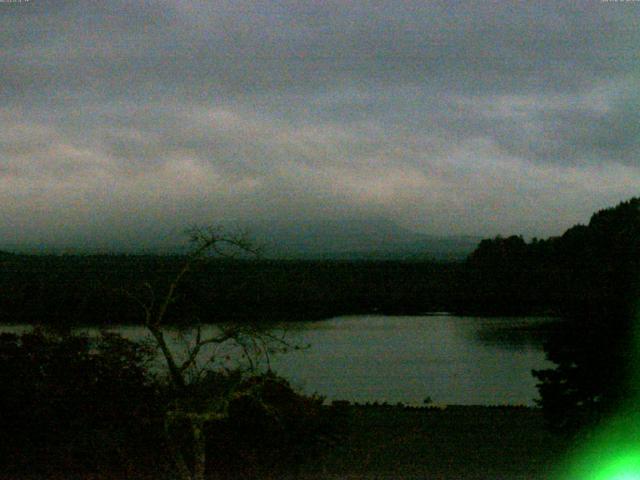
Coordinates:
205	241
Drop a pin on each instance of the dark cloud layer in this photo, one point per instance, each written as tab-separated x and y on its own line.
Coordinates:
123	120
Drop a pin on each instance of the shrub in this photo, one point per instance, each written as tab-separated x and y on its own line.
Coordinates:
269	427
75	405
69	402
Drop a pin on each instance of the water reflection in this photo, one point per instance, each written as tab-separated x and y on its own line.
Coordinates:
453	360
513	333
462	360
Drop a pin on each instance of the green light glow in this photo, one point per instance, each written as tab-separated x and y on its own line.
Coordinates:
623	468
613	453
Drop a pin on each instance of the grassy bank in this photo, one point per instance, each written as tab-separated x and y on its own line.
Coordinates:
457	442
394	442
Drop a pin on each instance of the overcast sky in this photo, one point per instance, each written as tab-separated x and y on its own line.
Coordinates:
121	122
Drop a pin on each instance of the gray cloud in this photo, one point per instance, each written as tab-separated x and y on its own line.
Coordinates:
474	117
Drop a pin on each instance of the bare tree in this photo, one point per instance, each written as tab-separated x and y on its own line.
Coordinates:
252	340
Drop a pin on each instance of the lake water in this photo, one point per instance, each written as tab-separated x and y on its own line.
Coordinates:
452	360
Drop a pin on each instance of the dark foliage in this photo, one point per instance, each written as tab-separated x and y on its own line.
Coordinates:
270	428
585	266
75	406
595	349
71	404
589	276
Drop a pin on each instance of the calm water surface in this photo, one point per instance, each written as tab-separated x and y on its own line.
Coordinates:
452	360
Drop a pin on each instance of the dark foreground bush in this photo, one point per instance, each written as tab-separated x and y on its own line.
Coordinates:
74	407
270	428
72	404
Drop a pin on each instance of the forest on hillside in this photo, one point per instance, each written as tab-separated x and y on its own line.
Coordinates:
585	266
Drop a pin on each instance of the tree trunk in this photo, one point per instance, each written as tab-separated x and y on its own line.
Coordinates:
199	446
182	470
174	371
199	449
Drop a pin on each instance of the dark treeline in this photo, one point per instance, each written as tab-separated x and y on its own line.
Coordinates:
588	265
590	277
595	351
503	276
73	290
93	289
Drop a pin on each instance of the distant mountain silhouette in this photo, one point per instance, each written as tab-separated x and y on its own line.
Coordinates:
372	238
359	239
